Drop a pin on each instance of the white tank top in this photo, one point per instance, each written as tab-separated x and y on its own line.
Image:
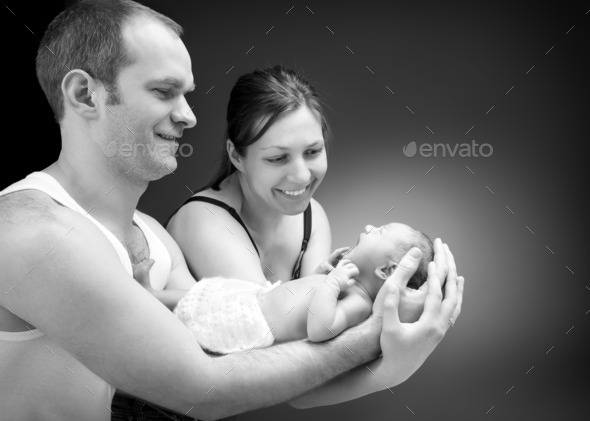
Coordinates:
39	379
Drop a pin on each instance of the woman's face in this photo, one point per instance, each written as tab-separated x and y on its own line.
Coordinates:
287	164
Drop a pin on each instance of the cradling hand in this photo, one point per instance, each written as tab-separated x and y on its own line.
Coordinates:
405	346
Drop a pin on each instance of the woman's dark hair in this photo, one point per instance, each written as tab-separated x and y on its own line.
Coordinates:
257	100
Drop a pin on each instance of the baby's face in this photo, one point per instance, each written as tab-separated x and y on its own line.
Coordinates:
377	246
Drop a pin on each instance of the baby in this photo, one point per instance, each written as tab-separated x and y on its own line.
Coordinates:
317	307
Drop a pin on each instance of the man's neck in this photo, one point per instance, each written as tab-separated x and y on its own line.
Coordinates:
110	198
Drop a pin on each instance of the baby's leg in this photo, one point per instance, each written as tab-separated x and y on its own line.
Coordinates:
325	318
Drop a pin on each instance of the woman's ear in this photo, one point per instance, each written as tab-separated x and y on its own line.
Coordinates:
78	89
234	156
386	270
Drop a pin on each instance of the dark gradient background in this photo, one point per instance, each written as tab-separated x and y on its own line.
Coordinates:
514	220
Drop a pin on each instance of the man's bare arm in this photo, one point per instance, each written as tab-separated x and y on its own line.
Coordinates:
80	296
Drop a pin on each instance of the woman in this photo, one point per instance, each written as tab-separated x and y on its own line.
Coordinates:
256	219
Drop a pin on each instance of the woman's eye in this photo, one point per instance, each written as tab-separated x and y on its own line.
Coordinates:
313	152
276	159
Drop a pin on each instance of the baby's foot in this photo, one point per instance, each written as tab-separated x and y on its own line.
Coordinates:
141	272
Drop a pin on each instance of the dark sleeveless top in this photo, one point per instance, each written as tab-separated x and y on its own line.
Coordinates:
306	227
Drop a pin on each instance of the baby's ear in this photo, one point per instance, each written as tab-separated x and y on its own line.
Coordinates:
386	270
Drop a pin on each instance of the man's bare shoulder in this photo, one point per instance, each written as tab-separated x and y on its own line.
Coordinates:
32	214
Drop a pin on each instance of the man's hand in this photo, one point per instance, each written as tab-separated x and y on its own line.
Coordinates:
406	346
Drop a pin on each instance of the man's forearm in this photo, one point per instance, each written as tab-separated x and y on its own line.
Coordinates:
269	376
359	382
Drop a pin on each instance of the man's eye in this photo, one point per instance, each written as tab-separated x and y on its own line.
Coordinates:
162	92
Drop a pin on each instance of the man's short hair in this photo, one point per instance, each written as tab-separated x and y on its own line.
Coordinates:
88	36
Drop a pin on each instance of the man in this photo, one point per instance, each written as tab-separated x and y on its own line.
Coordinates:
74	324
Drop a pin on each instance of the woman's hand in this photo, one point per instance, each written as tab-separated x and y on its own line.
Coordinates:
331	261
406	346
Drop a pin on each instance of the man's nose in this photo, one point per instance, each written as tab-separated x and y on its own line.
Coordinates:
183	114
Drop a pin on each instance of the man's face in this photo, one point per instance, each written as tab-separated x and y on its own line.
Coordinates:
378	246
147	123
286	165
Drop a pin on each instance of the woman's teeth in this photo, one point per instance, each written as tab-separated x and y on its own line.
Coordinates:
167	137
294	192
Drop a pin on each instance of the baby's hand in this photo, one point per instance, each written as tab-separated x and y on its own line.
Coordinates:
332	260
141	273
343	274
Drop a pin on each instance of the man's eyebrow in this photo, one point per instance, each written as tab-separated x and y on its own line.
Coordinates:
173	82
284	148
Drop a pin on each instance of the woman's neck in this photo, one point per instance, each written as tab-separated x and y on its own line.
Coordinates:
259	218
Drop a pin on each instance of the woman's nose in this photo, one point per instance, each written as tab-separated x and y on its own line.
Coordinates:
300	172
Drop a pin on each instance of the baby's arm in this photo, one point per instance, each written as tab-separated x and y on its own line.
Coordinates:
328	316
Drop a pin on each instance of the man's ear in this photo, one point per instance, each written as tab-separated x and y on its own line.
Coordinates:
78	89
234	156
386	270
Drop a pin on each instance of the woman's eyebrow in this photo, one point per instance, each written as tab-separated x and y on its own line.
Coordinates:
284	148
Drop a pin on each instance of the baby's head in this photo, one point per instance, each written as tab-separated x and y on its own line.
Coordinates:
379	250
